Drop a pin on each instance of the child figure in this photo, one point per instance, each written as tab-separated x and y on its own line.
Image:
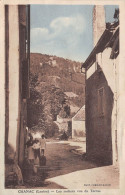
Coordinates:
42	144
36	147
29	145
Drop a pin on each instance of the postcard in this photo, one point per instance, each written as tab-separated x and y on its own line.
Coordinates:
62	94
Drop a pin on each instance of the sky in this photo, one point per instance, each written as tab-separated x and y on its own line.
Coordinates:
64	30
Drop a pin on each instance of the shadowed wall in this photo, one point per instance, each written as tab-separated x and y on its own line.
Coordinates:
99	104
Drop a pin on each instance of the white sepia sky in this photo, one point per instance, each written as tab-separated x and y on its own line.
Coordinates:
64	30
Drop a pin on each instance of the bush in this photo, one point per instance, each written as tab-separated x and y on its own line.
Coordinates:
51	129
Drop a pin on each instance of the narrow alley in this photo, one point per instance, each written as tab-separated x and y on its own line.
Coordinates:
60	161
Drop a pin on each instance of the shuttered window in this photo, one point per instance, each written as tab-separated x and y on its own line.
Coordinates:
101	101
25	79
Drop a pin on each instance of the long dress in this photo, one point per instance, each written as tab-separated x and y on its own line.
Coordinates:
30	153
36	147
42	145
30	150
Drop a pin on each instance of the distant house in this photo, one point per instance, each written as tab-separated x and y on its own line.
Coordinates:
102	92
78	123
64	124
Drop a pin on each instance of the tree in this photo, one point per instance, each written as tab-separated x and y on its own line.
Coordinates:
44	105
34	104
116	14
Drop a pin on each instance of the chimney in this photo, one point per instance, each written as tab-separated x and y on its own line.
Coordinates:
99	23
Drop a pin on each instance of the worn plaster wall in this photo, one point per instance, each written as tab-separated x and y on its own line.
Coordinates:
110	68
101	129
13	77
16	112
98	126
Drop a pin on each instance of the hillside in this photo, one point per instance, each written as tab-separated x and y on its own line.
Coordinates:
56	87
62	73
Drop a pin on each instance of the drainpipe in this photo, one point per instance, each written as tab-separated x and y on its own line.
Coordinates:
84	72
28	43
2	83
116	114
28	15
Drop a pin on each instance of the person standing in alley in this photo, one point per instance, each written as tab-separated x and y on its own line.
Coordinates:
29	145
42	150
36	147
42	144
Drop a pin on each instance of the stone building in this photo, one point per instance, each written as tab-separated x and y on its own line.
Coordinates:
78	124
64	124
16	27
102	93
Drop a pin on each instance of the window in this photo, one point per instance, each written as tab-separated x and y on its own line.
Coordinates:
101	101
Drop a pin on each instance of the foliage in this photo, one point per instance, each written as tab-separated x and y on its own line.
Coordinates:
49	80
34	104
65	111
116	14
44	105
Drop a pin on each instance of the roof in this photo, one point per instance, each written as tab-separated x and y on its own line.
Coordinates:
110	38
80	115
71	94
